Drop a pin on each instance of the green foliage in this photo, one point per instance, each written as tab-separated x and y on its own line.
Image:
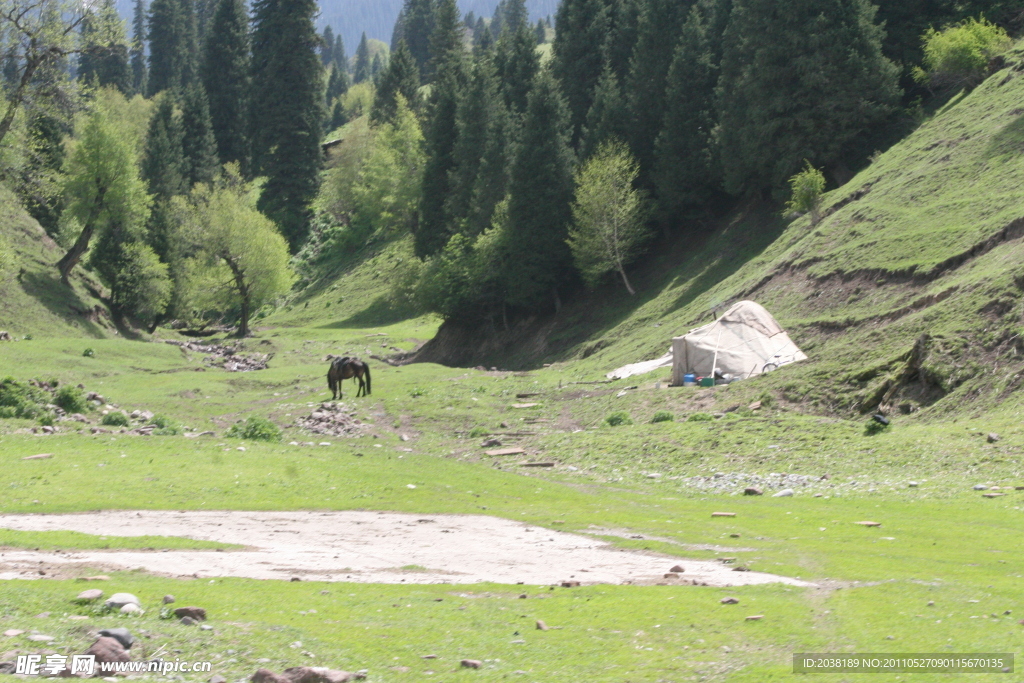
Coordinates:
700	417
173	45
609	215
104	58
164	167
663	416
140	74
798	81
806	190
198	145
607	118
873	428
583	26
400	79
361	72
515	57
417	27
286	123
959	55
142	287
6	256
23	401
358	100
71	399
462	282
618	418
225	73
477	432
88	353
115	418
165	426
255	429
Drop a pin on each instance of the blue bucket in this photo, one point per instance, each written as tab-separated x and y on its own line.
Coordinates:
689	380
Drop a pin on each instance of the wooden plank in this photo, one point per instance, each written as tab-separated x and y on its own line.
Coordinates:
723	514
506	451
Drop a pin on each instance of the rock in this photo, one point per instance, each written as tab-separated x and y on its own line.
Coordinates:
869	523
740	569
10	633
980	487
491	443
784	493
428	656
570	584
523	596
671	575
913	484
216	678
678	569
541	626
504	451
89	595
119	600
187	621
471	663
205	627
41	456
729	601
197	613
8	667
316	674
931	603
756	617
266	676
734	535
40	638
752	491
992	495
6	336
107	650
723	514
131	608
121	635
992	437
168	599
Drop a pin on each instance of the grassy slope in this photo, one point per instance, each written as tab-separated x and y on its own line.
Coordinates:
32	299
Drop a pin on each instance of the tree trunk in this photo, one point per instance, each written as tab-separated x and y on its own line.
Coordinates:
625	280
14	101
243	326
243	291
558	300
74	255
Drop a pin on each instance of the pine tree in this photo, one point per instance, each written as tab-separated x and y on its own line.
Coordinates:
287	126
400	78
583	27
541	31
658	28
172	45
225	74
337	83
540	196
362	67
686	173
398	32
327	47
516	57
608	118
377	67
417	28
798	82
448	65
199	146
140	74
163	162
621	40
491	183
104	59
339	54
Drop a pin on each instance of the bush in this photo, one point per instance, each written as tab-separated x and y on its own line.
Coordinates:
958	55
143	286
46	420
663	416
115	419
255	429
700	417
21	400
71	399
767	399
477	432
875	427
165	426
88	353
807	187
618	418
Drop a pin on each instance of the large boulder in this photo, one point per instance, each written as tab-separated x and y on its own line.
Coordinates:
119	600
107	650
121	635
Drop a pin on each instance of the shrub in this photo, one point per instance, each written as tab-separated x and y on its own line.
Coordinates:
807	187
142	287
767	399
21	400
663	416
700	417
71	399
255	429
478	432
115	419
874	427
88	353
46	420
165	426
618	418
959	55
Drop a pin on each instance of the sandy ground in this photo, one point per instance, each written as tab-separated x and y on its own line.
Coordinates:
366	547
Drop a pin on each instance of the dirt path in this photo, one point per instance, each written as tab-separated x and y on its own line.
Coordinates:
366	547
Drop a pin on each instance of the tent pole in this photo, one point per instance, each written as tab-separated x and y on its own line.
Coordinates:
714	362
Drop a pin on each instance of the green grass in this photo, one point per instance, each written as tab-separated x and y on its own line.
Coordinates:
73	540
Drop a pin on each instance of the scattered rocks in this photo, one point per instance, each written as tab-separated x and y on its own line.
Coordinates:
671	575
980	487
98	577
570	584
305	674
217	678
6	336
121	635
756	405
730	601
205	627
784	493
197	613
471	664
227	357
8	668
40	638
505	451
89	595
332	419
491	443
119	600
912	484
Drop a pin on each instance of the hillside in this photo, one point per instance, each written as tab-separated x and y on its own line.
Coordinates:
906	293
32	299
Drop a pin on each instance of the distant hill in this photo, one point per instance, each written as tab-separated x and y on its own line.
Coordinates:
377	17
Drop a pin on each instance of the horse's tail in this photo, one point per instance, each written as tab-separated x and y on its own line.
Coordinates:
369	384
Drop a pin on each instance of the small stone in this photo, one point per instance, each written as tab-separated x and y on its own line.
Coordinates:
205	627
12	632
980	487
756	617
931	603
471	663
187	621
890	637
41	456
541	626
217	679
723	514
119	600
295	578
523	596
130	608
404	437
570	584
428	656
869	523
100	577
40	638
730	601
107	650
734	535
671	575
197	613
89	595
168	599
678	569
121	635
752	491
756	405
913	484
992	437
784	493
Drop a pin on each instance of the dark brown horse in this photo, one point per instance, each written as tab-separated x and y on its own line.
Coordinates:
349	368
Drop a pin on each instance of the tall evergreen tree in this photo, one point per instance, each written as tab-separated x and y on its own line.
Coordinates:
448	64
337	83
205	11
398	32
621	39
287	126
104	60
225	73
491	183
583	28
377	66
417	29
339	54
540	196
199	146
140	74
516	57
798	81
363	65
163	161
400	78
172	45
608	118
686	173
658	28
327	47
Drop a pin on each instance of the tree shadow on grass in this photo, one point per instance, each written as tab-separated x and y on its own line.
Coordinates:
62	301
380	313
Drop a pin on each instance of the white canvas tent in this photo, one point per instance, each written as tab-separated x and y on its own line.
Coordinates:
745	342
